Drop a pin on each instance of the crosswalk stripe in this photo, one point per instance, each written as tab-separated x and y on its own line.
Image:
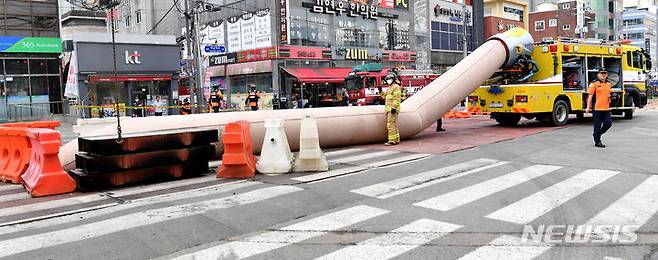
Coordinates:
125	222
532	207
343	151
362	157
635	208
104	209
396	242
295	233
15	196
397	186
508	247
97	197
475	192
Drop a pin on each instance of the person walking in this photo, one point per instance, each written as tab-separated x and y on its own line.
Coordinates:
392	100
599	97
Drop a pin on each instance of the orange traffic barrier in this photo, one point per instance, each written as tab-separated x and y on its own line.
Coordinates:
45	175
456	114
14	153
35	124
238	160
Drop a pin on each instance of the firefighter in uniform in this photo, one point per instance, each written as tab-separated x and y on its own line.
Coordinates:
215	101
392	100
252	98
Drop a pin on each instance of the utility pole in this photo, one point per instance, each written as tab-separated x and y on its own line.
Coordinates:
464	35
188	52
199	65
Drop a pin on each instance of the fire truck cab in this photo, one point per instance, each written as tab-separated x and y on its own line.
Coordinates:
366	82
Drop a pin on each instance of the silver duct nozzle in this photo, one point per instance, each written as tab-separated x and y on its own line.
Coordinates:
517	41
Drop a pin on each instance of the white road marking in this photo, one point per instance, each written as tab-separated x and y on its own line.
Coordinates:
295	233
508	248
536	205
343	151
7	187
635	208
401	159
396	242
359	168
382	190
97	197
478	191
362	157
130	221
14	196
71	216
329	174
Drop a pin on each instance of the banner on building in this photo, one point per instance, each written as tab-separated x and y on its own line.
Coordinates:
71	89
234	34
247	29
263	28
284	35
30	44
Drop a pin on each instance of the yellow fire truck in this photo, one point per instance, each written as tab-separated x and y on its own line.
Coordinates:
552	82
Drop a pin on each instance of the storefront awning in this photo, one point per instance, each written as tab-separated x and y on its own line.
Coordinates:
319	75
110	78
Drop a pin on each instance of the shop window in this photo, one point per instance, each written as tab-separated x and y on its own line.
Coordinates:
309	29
353	32
38	66
54	88
127	20
38	86
53	66
17	86
16	66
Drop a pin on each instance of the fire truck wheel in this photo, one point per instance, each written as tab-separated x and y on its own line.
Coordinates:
508	119
560	114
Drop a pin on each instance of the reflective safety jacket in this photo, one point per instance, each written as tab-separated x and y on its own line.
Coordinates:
393	97
252	100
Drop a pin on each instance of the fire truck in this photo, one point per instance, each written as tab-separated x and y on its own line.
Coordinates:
366	82
552	82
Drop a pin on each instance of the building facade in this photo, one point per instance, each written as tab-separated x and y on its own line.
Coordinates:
639	26
607	18
286	45
29	57
559	20
147	67
502	15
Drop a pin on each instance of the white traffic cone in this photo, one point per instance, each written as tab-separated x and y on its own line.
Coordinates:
310	157
275	156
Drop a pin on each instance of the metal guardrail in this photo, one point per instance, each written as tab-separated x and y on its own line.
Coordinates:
35	111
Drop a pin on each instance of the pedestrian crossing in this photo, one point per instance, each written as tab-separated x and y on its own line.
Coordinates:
428	189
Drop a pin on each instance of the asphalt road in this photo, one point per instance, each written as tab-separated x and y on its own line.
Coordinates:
469	204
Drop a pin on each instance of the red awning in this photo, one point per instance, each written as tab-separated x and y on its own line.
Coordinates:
319	75
109	78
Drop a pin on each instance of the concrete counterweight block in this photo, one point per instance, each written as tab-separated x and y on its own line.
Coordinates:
275	156
310	157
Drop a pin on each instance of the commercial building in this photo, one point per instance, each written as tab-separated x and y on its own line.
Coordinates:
290	47
502	15
554	20
607	18
449	23
639	26
147	67
29	57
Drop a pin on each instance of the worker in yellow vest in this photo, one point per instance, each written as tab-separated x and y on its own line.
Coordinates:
392	100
